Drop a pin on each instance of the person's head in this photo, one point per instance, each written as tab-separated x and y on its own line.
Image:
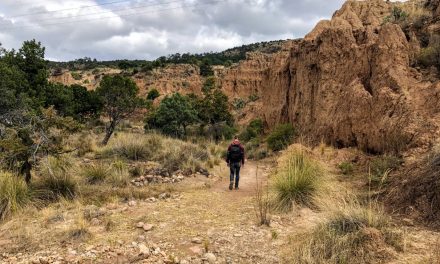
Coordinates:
236	141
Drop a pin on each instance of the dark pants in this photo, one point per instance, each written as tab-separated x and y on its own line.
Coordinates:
235	171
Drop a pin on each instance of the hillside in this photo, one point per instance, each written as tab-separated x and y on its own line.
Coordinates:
307	82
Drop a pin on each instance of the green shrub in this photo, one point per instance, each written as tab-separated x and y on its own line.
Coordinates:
253	98
281	137
346	168
153	94
238	103
14	194
76	76
382	165
297	181
253	130
96	173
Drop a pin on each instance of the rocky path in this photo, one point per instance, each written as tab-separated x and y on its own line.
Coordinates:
202	223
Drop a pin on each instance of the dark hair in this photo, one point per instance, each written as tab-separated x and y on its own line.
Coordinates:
235	137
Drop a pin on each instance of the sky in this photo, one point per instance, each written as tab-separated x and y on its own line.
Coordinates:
148	29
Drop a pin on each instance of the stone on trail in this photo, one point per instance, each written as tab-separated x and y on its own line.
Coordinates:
196	250
147	227
211	258
196	240
140	225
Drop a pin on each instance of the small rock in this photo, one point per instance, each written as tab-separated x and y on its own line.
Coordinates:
141	238
95	221
238	235
144	250
196	240
140	224
147	227
196	250
164	196
151	200
210	257
132	203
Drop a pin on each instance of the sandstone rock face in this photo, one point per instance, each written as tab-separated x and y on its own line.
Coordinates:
350	83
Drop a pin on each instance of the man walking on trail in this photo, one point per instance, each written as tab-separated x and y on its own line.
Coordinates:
235	159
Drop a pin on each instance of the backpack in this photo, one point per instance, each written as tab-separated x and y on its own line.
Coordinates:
235	153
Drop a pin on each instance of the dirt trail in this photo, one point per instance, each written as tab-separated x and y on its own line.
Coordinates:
248	179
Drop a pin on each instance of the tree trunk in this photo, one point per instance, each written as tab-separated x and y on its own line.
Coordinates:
25	170
109	132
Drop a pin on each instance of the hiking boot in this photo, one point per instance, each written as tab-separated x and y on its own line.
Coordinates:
231	185
236	188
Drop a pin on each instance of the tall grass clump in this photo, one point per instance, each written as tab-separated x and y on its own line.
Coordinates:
120	175
55	179
14	194
297	181
134	147
353	234
96	173
179	155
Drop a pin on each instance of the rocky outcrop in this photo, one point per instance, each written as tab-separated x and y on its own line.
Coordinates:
350	83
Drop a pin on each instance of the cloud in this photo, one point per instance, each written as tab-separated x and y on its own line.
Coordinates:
147	29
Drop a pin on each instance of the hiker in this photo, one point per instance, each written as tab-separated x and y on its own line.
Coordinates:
235	160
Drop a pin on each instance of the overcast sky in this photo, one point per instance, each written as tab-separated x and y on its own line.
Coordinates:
147	29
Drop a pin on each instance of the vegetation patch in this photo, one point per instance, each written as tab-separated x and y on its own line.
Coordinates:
14	194
297	181
353	234
281	137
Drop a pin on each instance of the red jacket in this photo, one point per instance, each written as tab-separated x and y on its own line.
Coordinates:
228	156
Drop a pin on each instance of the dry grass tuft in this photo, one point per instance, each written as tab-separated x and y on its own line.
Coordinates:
14	194
134	147
96	173
55	180
262	202
297	181
352	234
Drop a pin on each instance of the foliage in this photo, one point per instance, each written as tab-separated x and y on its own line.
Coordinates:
174	115
153	94
76	76
238	103
281	137
206	69
33	136
346	168
119	96
253	130
297	181
209	85
14	194
397	15
382	165
430	56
